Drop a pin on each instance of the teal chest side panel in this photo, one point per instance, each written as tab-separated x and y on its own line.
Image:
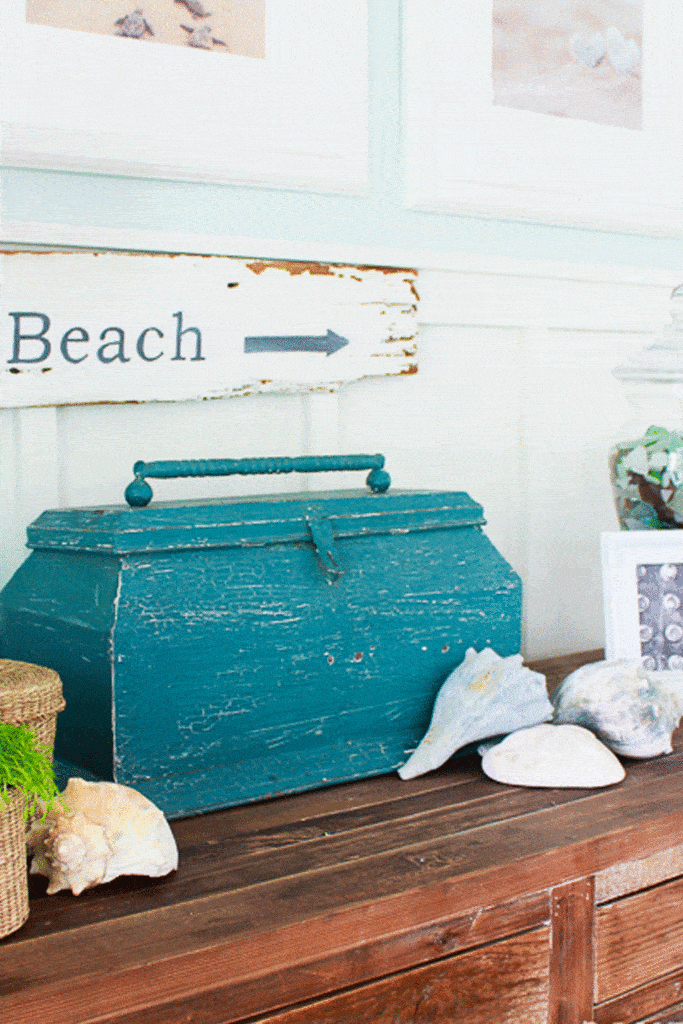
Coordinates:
58	610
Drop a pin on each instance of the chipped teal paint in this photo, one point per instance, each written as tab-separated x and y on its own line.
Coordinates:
208	659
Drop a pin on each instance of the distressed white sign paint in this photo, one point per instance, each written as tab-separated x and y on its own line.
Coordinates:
78	328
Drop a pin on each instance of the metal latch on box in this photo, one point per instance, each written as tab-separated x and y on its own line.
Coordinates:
323	541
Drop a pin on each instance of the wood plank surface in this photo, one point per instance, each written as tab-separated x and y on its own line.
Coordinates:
631	876
672	1015
128	300
557	669
401	856
639	938
279	903
506	982
235	998
659	1000
571	963
288	918
216	858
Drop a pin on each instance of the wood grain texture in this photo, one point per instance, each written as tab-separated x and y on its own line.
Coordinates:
557	669
233	999
279	922
321	895
639	938
466	837
506	982
672	1015
571	961
631	876
659	1000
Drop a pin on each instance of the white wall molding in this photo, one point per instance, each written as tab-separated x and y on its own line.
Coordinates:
543	299
34	234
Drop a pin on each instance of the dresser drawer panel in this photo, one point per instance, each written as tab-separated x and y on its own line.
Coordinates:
629	877
658	1003
502	983
639	938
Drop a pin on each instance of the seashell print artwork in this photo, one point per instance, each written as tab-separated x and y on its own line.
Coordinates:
484	696
572	59
552	756
632	710
108	830
589	52
623	54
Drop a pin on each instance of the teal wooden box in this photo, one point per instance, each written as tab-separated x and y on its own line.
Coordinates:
218	652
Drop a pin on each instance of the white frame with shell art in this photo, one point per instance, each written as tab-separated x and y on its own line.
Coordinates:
111	104
642	574
466	152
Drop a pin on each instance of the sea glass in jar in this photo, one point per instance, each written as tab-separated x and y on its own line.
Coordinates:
646	466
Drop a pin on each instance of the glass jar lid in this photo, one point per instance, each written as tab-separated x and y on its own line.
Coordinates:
661	361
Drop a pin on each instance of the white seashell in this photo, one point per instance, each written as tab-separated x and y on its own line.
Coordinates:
552	756
109	830
623	54
630	709
484	696
590	53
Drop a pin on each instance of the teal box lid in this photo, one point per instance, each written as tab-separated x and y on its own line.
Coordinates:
252	521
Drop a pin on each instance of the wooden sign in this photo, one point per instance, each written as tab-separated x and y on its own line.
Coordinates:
78	328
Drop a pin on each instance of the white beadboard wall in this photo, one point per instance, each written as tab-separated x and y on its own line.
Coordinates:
514	402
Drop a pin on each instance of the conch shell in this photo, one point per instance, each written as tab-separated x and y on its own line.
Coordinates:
632	710
108	830
486	695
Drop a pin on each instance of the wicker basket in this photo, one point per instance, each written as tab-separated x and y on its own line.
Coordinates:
31	695
13	874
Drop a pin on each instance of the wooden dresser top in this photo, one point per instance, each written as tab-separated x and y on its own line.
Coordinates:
268	887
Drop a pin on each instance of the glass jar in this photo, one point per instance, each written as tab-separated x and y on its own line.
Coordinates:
646	469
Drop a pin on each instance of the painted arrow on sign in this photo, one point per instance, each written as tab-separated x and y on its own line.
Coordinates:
328	343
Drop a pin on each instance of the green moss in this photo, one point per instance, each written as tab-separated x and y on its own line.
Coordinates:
24	766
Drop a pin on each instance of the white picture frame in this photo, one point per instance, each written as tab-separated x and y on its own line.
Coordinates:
464	154
82	101
642	573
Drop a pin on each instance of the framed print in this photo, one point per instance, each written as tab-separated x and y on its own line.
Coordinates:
266	92
642	572
562	111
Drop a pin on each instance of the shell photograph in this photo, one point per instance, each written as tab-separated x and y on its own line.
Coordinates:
570	58
222	26
660	613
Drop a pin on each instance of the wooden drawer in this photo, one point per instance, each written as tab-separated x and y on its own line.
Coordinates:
639	938
639	956
447	899
502	983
